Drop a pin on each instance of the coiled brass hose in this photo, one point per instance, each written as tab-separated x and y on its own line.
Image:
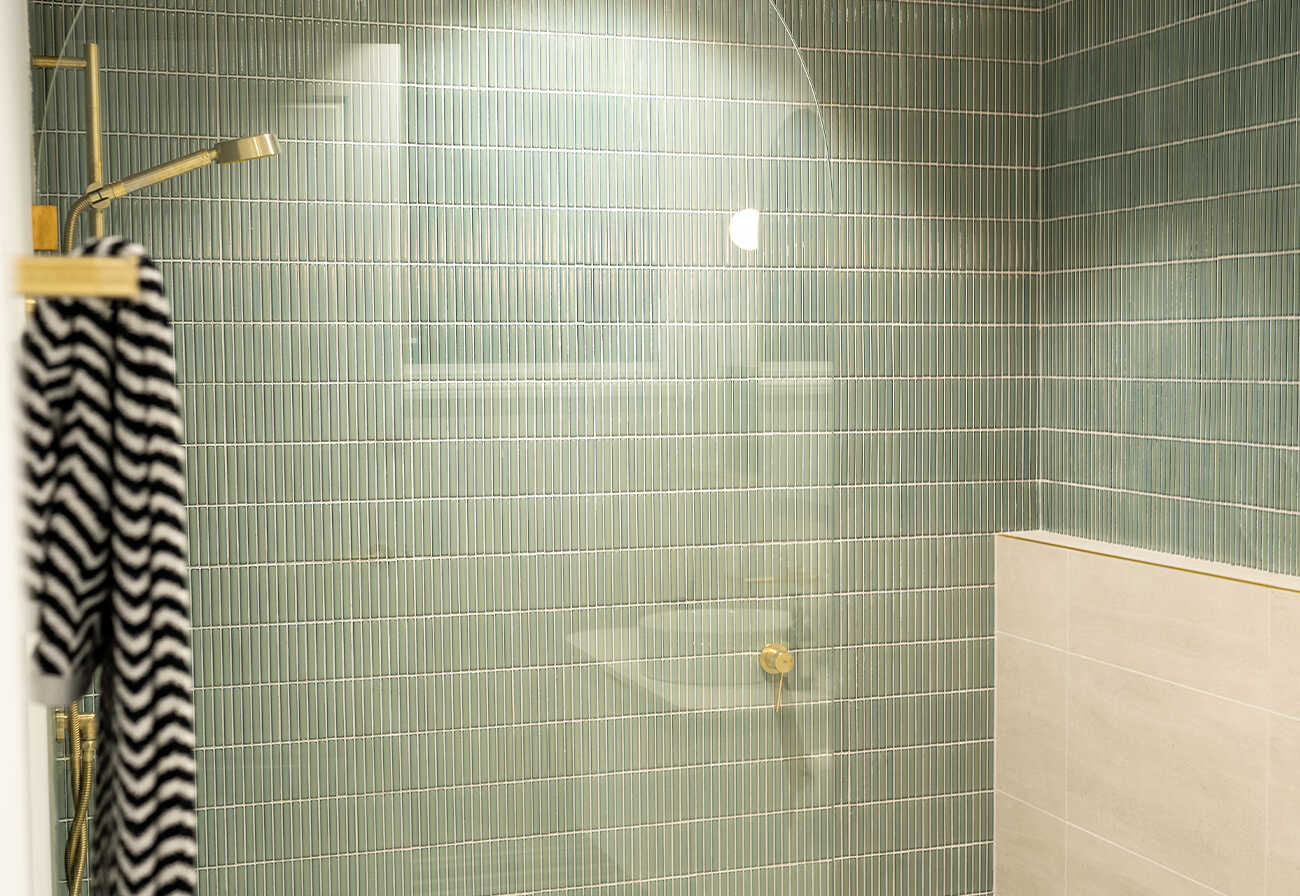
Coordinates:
81	765
70	233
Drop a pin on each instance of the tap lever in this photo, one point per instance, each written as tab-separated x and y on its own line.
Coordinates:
776	659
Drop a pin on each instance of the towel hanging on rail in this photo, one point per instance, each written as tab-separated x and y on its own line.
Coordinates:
106	554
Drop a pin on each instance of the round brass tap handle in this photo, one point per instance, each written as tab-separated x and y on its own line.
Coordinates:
776	659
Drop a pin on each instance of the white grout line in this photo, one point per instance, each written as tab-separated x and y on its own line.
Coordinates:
416	441
624	884
774	813
1038	398
611	773
1122	848
590	664
1175	262
1235	505
314	18
825	541
1075	654
402	83
646	716
690	325
591	92
1168	144
588	609
461	499
418	383
669	154
1150	31
1266	748
1149	437
662	268
1170	203
404	205
1088	378
1166	85
1167	322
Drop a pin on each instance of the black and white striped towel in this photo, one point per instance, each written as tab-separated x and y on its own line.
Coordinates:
107	566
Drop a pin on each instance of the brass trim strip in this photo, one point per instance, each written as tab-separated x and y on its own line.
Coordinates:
82	277
1169	566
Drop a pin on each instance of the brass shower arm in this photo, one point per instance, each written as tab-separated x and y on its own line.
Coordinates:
227	152
102	196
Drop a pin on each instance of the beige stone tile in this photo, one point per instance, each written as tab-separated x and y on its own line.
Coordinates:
1031	731
1204	632
1284	807
1029	850
1284	655
1031	590
1169	773
1097	868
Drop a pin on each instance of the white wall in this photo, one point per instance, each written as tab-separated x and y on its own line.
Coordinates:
16	834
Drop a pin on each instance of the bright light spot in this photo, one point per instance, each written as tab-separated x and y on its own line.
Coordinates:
744	229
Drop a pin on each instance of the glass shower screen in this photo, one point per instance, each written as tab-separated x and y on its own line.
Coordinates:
528	399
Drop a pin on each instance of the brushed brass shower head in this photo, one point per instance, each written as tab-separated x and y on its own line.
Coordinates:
244	149
224	153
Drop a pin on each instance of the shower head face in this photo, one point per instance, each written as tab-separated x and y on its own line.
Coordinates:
246	149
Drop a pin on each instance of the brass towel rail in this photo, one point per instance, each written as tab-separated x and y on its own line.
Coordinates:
77	277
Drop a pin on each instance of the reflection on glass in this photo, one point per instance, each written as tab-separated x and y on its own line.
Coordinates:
744	229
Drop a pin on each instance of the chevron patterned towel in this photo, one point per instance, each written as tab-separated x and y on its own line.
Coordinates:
107	566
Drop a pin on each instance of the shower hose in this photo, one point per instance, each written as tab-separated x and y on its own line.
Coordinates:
81	764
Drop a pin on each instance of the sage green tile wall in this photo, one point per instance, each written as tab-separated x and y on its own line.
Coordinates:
1171	337
504	462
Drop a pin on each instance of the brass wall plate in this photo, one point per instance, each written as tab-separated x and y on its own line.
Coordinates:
45	228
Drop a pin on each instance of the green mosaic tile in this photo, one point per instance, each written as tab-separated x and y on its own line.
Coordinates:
1170	390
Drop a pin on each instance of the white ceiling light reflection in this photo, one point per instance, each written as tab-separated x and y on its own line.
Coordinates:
744	229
